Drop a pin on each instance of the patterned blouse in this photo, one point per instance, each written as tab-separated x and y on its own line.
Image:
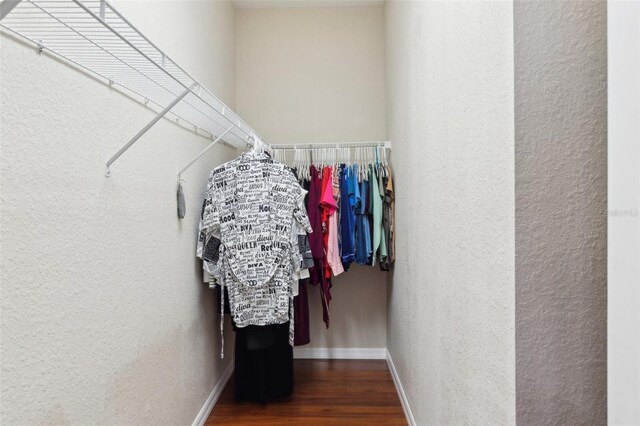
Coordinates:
248	239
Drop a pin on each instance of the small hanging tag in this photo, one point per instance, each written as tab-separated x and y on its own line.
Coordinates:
182	207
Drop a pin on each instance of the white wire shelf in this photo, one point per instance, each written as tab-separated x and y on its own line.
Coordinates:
93	35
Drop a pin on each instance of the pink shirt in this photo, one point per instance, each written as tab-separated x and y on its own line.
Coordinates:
329	203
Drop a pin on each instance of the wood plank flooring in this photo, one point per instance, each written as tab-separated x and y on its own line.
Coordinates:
326	392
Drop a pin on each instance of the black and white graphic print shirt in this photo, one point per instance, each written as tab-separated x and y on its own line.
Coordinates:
252	206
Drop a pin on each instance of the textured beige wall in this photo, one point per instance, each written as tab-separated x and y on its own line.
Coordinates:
561	212
317	75
450	117
312	74
104	318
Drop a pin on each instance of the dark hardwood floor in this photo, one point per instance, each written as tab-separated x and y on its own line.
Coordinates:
326	392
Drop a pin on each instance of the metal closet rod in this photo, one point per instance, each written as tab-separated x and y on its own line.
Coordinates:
321	145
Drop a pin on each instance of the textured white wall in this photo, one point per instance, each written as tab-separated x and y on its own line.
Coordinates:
450	117
561	211
623	192
104	318
317	75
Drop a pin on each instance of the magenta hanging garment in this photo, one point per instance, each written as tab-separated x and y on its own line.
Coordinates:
316	241
315	215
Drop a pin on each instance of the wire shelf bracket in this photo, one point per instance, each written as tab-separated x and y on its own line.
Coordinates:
93	35
204	151
145	129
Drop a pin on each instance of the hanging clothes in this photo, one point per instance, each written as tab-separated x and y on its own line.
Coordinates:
330	224
387	215
258	238
327	207
336	197
347	219
251	205
301	333
383	240
376	207
316	240
369	204
315	216
363	235
263	368
350	208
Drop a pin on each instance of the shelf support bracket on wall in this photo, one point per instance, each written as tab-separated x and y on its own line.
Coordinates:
204	151
147	127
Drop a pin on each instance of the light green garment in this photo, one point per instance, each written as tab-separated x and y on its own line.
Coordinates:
376	203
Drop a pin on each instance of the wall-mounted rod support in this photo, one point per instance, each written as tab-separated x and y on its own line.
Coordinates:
7	6
204	151
146	128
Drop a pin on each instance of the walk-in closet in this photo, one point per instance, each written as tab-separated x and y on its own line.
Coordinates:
319	212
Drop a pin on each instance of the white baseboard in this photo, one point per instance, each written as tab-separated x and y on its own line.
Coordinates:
340	353
203	415
403	397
